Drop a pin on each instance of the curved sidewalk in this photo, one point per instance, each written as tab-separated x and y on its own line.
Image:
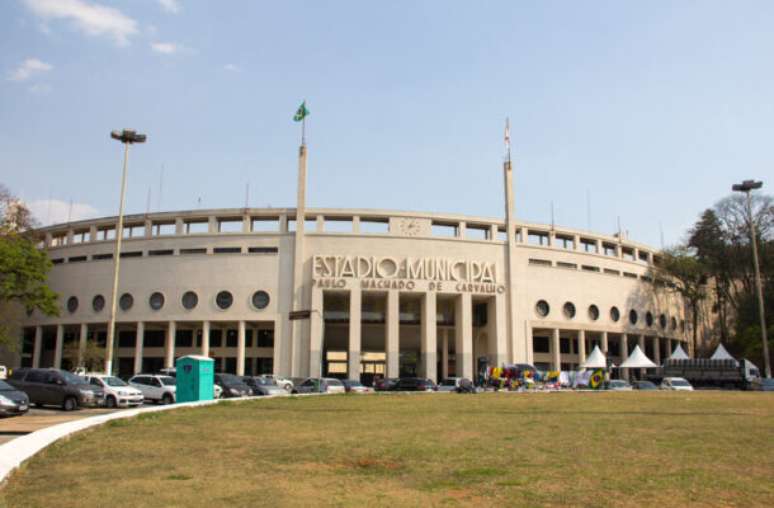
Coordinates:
15	452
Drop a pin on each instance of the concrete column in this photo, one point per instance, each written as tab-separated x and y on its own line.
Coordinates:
445	354
148	228
240	364
605	343
497	331
530	344
668	348
461	229
600	247
429	341
82	342
205	338
179	226
92	233
279	338
247	223
316	331
58	348
657	351
320	224
576	242
463	336
641	343
355	320
624	347
392	341
212	225
581	346
356	224
556	348
138	345
523	235
169	347
493	232
38	346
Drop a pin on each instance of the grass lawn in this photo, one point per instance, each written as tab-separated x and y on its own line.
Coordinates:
575	449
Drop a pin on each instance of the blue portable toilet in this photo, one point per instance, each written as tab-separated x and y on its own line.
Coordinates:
195	376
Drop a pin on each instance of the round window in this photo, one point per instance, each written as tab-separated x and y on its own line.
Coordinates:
98	303
126	301
569	310
593	312
649	318
260	299
662	321
633	317
156	301
72	304
674	324
224	299
190	300
615	314
542	308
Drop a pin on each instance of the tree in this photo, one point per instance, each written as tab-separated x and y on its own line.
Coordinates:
684	273
92	357
23	268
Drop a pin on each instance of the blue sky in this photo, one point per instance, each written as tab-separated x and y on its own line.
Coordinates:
652	109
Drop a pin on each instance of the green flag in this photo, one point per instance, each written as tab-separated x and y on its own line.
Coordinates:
301	113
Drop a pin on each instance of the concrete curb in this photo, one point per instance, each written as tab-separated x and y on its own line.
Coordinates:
15	452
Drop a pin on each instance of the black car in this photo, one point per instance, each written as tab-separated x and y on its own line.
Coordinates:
415	384
232	385
12	401
383	384
644	385
55	387
263	386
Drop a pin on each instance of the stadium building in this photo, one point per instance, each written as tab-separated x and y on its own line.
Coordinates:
310	292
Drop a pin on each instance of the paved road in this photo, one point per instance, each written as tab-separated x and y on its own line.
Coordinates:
39	418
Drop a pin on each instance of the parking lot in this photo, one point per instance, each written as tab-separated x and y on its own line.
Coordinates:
39	418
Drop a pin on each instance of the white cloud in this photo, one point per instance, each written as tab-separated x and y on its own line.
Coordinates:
91	18
172	6
171	48
40	89
165	48
54	211
28	68
232	68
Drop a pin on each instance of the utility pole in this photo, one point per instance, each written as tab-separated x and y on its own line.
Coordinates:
127	137
747	186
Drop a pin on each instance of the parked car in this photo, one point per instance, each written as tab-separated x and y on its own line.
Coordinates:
55	387
644	385
12	401
217	391
155	388
232	385
764	385
282	382
385	384
676	383
415	384
3	372
118	393
356	387
263	386
449	384
320	385
619	385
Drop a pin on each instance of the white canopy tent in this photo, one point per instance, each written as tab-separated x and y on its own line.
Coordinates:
596	360
637	360
679	354
721	354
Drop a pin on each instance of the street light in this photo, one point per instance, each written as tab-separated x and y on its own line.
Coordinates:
127	137
747	186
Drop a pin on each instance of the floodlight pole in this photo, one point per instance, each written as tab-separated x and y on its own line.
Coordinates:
746	187
127	137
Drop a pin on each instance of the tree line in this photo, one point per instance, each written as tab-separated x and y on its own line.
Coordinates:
712	268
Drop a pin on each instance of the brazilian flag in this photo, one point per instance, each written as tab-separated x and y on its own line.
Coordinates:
301	113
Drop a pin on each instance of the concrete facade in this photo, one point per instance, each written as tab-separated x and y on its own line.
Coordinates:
373	281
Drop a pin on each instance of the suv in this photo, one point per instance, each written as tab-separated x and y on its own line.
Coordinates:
117	392
55	387
320	385
155	388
